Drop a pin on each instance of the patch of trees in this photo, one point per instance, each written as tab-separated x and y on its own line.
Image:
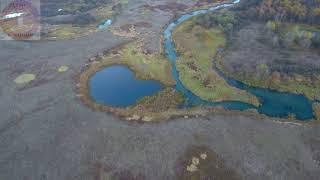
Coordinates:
307	11
226	20
292	35
289	23
280	16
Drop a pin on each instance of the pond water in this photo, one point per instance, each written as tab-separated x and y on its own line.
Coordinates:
105	24
117	86
273	103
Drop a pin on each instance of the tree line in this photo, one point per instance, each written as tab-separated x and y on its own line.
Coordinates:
307	11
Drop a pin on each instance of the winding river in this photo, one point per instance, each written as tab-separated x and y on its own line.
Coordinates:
273	103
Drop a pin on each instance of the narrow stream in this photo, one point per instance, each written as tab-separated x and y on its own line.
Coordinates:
273	103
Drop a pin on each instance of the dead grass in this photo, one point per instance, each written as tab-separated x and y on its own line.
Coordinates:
316	110
200	162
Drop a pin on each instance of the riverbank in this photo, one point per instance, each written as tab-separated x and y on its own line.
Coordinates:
299	107
47	132
146	67
279	69
197	47
159	107
71	21
265	63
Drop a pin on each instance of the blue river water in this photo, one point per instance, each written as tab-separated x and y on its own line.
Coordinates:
273	103
105	24
117	86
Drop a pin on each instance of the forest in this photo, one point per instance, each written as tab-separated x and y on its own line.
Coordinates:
306	11
288	23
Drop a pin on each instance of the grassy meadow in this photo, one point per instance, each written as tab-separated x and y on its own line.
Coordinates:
197	48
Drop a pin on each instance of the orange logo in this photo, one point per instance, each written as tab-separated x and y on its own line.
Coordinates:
20	20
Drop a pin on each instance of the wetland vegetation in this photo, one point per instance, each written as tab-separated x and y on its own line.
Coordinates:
215	125
77	19
276	44
197	47
316	109
201	42
201	162
146	67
